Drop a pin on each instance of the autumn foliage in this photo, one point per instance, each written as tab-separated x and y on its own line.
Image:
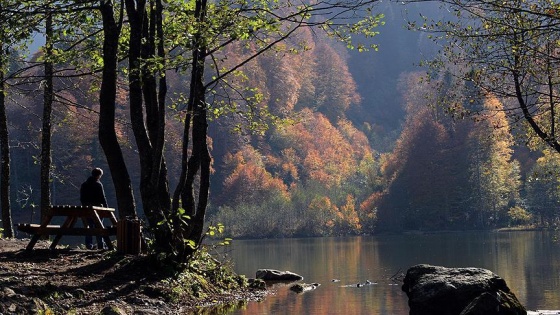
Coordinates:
450	174
313	167
314	171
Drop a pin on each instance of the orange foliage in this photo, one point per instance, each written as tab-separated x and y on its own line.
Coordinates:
336	90
358	140
317	153
326	155
322	203
349	215
369	206
249	180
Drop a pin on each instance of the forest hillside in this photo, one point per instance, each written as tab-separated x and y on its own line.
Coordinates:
356	147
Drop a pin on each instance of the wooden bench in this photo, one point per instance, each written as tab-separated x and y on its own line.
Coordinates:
72	214
57	229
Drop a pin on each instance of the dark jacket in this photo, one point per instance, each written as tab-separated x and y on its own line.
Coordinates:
92	193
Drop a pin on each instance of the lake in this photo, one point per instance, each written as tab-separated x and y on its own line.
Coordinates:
528	261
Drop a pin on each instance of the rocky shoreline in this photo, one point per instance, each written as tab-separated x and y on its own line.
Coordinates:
76	281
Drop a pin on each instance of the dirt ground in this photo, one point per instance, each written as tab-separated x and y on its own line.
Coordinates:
76	281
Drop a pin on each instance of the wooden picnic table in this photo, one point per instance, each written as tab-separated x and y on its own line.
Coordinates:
72	214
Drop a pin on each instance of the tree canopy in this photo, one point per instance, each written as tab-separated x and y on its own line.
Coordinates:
508	49
138	43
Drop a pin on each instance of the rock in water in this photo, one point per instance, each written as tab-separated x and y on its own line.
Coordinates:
257	284
276	275
304	287
434	290
490	303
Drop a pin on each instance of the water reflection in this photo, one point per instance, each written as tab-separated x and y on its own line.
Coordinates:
528	261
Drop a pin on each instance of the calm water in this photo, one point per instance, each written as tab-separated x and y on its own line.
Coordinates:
528	261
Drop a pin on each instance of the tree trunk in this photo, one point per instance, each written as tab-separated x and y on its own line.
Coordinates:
46	159
199	161
149	138
107	103
154	90
4	156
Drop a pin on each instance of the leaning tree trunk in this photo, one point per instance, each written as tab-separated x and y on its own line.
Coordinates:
107	103
46	159
4	157
525	108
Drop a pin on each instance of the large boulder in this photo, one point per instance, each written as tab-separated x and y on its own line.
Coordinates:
277	275
434	290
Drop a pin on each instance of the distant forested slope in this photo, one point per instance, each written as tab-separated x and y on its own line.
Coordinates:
355	146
